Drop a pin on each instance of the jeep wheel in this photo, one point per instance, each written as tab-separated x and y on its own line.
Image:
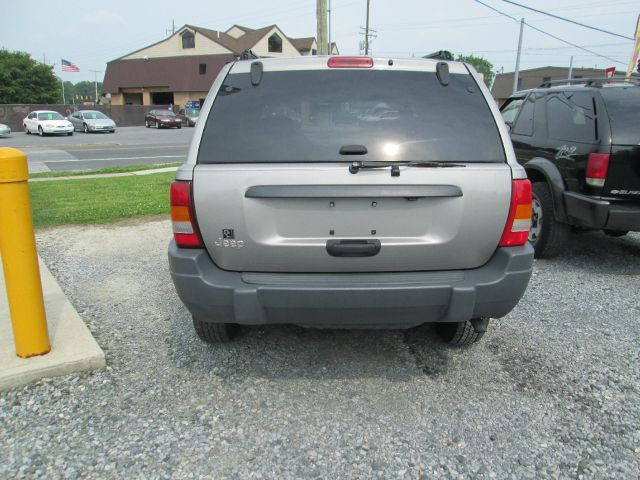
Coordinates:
547	235
459	334
215	332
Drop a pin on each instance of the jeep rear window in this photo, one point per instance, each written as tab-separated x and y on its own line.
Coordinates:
623	107
308	115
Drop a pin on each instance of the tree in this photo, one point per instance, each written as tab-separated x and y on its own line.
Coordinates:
23	80
88	89
482	65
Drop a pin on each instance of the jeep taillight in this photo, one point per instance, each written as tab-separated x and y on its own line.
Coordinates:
516	230
183	220
597	166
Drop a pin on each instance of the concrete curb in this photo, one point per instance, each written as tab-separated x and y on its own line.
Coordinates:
73	348
107	175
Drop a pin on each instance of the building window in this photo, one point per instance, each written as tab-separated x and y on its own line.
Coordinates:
314	51
546	79
202	68
188	40
275	43
519	83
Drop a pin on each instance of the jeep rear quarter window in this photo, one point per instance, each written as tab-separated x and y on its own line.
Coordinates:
571	116
294	116
623	105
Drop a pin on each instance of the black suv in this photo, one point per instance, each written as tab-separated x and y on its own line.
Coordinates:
580	145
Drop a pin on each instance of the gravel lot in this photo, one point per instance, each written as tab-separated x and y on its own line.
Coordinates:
553	390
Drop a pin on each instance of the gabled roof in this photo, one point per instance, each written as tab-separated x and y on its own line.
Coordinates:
303	44
236	45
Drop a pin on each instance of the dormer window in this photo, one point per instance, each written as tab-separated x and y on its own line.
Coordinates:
275	43
188	40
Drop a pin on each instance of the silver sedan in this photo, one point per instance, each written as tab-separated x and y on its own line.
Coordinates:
5	131
91	121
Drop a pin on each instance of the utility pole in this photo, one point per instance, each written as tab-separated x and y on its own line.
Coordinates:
95	81
570	67
173	28
517	72
329	29
366	32
321	18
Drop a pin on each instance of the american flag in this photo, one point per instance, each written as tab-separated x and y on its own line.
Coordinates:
67	66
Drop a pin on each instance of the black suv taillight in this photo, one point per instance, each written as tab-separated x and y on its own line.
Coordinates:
597	166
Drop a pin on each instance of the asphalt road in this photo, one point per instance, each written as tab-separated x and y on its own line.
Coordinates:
552	390
82	151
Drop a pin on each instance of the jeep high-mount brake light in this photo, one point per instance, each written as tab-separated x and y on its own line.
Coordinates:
597	166
516	230
183	221
350	62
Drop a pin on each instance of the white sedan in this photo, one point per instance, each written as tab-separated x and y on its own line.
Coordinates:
45	122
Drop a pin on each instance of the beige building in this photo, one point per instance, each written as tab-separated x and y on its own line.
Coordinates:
183	66
503	84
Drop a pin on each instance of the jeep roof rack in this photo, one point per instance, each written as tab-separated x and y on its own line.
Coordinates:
591	81
248	54
441	55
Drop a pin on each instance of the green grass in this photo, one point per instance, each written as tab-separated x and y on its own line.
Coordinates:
130	168
99	200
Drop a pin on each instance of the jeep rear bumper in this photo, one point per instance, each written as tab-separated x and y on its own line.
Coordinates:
348	300
598	213
383	300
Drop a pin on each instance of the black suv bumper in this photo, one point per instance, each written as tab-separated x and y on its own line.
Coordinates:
348	300
593	212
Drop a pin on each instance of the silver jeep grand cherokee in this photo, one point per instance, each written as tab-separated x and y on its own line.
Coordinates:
350	192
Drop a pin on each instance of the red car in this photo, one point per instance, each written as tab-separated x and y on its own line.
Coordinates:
162	118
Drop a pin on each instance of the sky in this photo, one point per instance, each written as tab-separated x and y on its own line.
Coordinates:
90	34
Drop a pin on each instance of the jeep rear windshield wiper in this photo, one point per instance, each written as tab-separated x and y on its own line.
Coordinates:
395	166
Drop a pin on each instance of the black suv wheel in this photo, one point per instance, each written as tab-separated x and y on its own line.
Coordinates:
547	235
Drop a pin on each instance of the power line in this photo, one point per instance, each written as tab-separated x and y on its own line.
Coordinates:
549	34
568	20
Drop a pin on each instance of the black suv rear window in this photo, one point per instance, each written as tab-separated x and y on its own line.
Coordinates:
623	107
308	115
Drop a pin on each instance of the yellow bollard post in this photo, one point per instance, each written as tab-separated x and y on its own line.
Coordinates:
19	257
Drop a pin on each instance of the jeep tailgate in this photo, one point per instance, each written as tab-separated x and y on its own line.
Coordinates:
252	219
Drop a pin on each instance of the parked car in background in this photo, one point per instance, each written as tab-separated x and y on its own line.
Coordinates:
162	119
282	216
189	116
92	121
579	142
5	131
46	122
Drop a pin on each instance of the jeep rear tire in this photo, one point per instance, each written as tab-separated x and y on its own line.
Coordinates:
215	332
458	334
547	235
